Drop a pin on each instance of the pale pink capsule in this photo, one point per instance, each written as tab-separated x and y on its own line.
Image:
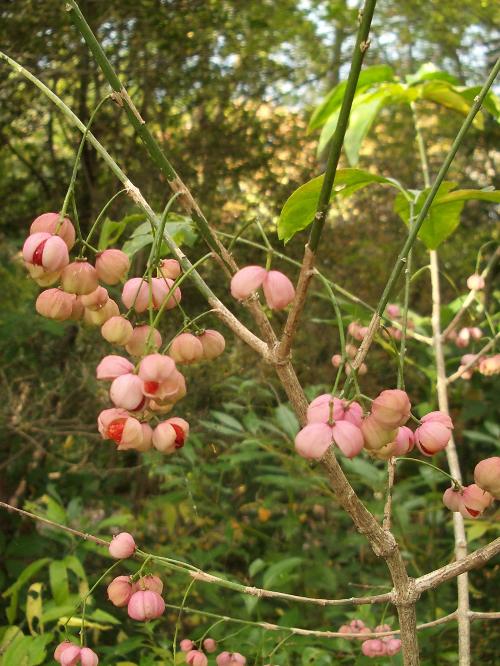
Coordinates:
351	350
112	266
392	646
119	591
117	330
348	438
374	647
336	360
70	656
475	282
223	659
170	390
186	349
278	290
246	281
122	546
46	251
404	442
345	629
353	413
463	337
60	649
99	317
325	408
391	408
55	304
152	583
88	657
49	222
125	430
314	440
381	628
144	339
113	366
452	499
432	437
127	392
154	370
375	435
238	659
196	658
96	299
79	277
42	277
170	435
164	293
146	442
213	344
169	268
393	311
186	645
475	333
209	645
490	365
487	475
354	329
439	417
474	501
135	294
145	605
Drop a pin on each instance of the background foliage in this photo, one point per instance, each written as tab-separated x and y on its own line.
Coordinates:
229	88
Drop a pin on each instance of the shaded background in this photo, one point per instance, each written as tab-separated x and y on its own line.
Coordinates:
227	88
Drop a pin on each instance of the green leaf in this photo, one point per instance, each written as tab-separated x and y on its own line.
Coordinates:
25	575
58	576
136	243
34	608
444	214
299	209
368	77
428	72
287	420
444	94
364	111
27	651
491	102
278	573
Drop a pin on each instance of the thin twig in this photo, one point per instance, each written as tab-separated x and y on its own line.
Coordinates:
477	357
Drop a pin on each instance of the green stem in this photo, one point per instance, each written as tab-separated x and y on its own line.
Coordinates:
177	624
101	214
152	147
424	462
362	43
406	304
71	188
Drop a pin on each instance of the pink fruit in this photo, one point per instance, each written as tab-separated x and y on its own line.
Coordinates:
186	645
490	365
278	290
122	546
46	251
375	435
404	442
353	413
336	360
475	282
152	583
127	392
99	317
60	649
135	294
144	339
391	408
117	330
434	433
113	366
125	430
209	645
213	344
145	605
170	435
186	348
487	475
42	277
452	499
164	293
463	337
196	658
324	409
246	281
169	268
120	591
392	646
314	440
50	222
393	311
79	277
155	370
88	657
96	299
348	438
70	656
474	501
112	266
55	304
374	647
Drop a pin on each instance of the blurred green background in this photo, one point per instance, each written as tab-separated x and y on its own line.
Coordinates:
228	88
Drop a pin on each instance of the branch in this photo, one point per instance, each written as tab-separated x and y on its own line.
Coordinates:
360	48
464	368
